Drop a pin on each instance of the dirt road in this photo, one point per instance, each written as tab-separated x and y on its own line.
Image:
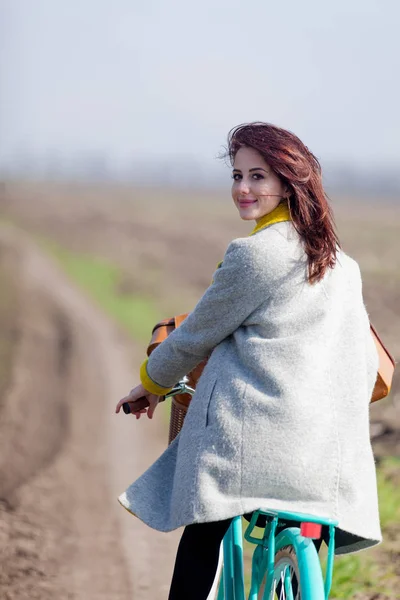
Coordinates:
66	456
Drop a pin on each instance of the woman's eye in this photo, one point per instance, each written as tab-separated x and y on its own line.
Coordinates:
255	176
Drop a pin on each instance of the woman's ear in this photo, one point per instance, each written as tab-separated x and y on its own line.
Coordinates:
288	191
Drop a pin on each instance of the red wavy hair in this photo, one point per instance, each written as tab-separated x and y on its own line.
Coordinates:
300	170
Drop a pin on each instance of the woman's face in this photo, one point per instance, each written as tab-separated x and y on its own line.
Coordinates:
256	190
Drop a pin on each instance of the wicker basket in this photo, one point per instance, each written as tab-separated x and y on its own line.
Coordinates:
179	407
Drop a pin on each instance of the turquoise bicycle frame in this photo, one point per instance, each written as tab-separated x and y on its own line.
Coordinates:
232	580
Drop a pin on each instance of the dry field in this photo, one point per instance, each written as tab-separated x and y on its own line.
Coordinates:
166	244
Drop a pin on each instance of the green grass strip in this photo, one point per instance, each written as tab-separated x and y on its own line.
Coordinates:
8	326
137	315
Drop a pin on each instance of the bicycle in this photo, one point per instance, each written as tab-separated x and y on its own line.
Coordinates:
285	565
285	562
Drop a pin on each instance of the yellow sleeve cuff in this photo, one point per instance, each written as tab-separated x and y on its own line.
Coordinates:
150	385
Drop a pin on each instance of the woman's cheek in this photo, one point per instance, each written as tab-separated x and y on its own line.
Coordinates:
262	190
234	193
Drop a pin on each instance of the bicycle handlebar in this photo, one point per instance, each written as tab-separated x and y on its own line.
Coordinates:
180	388
138	405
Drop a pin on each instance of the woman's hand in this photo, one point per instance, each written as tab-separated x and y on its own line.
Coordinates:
135	394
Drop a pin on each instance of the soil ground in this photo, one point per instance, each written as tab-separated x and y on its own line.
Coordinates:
64	455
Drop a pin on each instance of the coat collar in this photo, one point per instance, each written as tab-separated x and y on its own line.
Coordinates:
279	214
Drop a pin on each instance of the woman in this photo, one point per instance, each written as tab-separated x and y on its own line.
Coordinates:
279	419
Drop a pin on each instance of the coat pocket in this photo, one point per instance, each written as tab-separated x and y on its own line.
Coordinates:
209	402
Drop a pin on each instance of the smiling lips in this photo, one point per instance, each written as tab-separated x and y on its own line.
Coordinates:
246	202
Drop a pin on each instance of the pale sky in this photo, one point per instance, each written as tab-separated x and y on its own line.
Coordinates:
157	78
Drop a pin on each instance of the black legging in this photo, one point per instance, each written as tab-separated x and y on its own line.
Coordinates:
197	560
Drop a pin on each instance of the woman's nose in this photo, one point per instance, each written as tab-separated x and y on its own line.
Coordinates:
244	187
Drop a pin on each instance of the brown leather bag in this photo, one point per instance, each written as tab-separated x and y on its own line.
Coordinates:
382	385
386	368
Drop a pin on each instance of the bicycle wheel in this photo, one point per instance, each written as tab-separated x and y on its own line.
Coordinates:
297	570
285	584
286	575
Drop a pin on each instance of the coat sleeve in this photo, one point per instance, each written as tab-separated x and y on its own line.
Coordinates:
239	286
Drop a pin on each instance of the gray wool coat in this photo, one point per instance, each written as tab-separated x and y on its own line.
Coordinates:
280	417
